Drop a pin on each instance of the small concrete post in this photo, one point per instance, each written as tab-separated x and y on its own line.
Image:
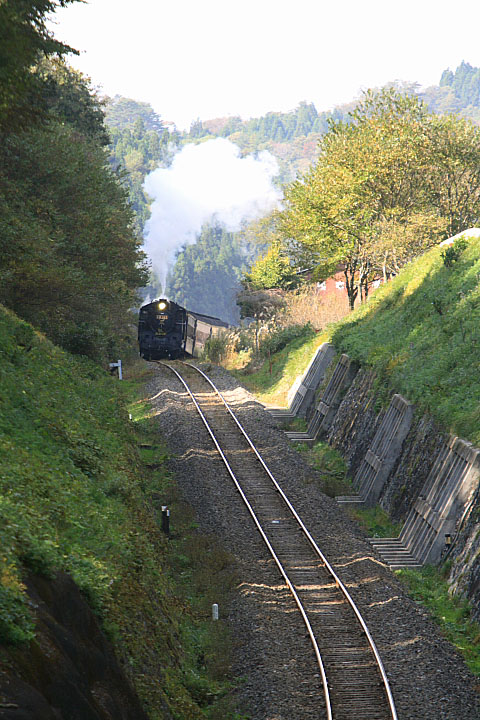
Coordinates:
118	365
215	611
165	520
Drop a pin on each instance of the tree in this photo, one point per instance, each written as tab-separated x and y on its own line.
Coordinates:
70	261
370	174
206	276
262	305
139	144
272	270
453	175
24	42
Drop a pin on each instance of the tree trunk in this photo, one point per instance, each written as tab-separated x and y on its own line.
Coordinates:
352	288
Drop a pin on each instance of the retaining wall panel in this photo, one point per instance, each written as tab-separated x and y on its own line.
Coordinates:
420	449
356	421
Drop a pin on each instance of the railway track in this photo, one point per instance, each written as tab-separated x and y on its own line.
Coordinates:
355	686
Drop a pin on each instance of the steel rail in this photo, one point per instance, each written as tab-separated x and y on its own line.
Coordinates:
267	543
315	547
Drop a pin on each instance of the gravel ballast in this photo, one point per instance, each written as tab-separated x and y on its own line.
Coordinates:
273	656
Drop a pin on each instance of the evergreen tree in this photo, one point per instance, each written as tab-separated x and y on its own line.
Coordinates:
206	276
24	42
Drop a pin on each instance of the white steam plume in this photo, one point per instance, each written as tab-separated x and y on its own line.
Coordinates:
205	181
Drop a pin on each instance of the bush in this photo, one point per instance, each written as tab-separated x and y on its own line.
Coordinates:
452	253
279	338
215	348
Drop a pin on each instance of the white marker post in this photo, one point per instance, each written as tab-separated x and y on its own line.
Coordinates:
214	611
119	366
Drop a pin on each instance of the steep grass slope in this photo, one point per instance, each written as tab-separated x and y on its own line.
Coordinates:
77	496
421	334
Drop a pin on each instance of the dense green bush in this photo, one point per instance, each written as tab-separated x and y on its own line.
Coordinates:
452	253
215	348
277	339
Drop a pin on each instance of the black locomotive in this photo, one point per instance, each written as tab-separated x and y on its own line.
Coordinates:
167	330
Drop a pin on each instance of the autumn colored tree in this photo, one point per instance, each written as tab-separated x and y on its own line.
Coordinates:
390	182
368	172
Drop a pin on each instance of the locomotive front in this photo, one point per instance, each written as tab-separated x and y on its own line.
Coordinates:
162	330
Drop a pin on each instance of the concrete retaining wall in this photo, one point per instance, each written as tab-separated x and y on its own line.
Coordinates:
384	451
301	400
403	461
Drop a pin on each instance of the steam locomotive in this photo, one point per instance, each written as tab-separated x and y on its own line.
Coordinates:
167	330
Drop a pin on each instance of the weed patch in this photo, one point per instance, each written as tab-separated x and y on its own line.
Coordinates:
429	588
330	465
375	521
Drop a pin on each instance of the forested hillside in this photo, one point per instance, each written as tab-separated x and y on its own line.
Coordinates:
458	92
70	259
207	274
291	137
141	141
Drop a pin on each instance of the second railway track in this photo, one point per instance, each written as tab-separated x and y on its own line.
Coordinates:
355	685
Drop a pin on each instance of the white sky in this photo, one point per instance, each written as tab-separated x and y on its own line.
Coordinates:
211	58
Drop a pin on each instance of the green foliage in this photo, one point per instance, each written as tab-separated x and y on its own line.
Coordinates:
215	348
273	380
207	275
76	495
429	588
140	143
272	270
390	182
452	253
124	113
331	466
69	260
71	99
278	338
420	332
465	83
62	429
16	623
376	522
24	40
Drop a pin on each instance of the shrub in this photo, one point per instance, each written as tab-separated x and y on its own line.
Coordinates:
215	348
452	253
279	338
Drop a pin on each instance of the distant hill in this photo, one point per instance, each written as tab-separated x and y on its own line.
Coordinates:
292	137
142	141
458	92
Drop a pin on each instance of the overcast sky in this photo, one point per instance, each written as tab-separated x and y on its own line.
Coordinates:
211	58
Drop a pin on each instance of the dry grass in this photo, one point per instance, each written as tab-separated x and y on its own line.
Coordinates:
310	305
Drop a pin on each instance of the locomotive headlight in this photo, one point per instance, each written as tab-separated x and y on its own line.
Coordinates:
162	305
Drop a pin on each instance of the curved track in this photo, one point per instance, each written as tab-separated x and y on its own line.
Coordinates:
355	685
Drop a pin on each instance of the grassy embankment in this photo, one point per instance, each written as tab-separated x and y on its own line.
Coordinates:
78	490
421	335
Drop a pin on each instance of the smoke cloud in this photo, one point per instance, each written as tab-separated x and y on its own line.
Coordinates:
205	182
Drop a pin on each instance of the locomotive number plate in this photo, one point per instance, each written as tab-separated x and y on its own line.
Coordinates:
162	317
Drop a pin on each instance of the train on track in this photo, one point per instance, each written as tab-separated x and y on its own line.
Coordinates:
169	331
